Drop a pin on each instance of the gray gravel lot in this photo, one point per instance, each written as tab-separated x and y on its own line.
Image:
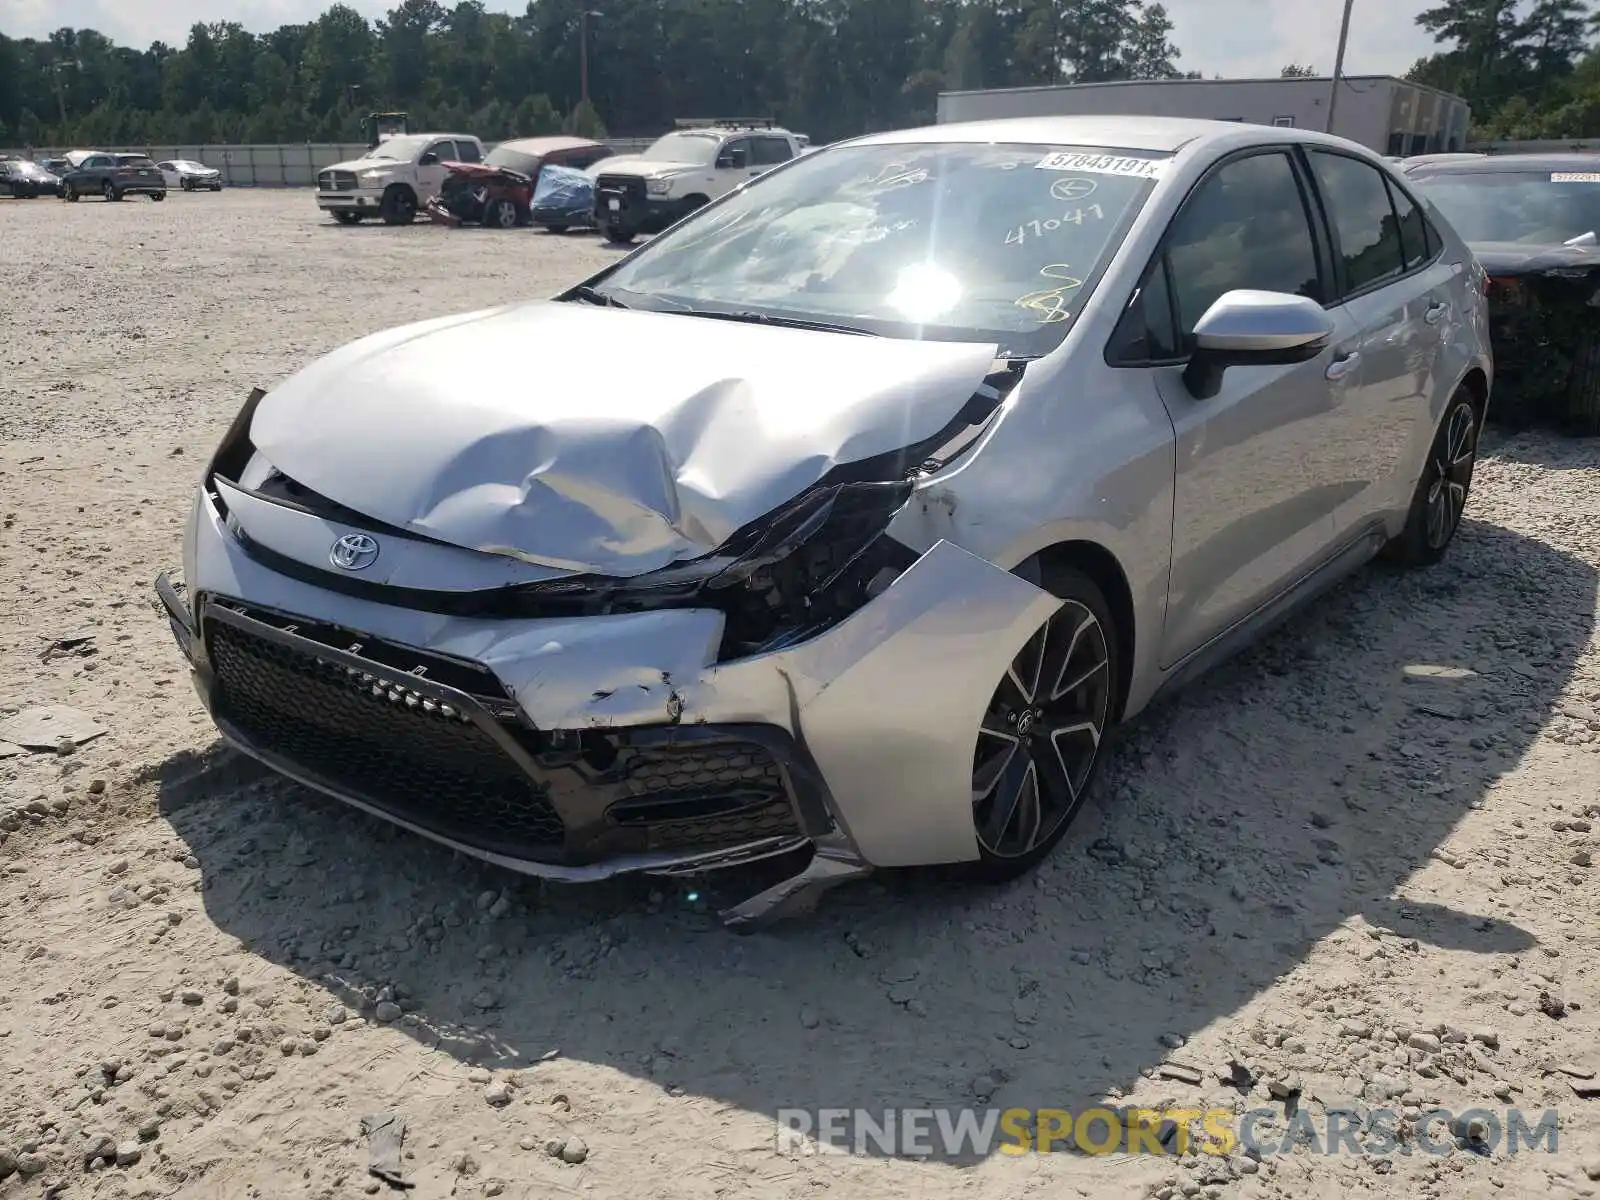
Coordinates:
1367	884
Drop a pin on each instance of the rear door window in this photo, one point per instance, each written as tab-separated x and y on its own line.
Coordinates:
468	151
769	151
1363	219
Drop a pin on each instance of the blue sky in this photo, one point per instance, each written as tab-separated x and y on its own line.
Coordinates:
1231	37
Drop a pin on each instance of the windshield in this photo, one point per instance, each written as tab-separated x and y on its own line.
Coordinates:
684	147
188	164
513	160
945	242
1535	207
399	149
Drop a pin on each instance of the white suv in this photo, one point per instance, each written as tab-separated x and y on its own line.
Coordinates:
395	178
683	170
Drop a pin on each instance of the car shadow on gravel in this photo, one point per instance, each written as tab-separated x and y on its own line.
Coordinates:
1237	825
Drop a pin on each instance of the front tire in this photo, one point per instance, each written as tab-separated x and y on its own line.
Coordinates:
1038	747
619	235
1441	493
399	206
158	196
501	214
346	218
109	191
185	184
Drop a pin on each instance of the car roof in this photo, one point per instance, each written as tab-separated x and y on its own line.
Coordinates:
546	145
1501	163
1160	135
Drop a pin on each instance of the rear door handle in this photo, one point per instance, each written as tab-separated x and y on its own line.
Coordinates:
1436	313
1341	367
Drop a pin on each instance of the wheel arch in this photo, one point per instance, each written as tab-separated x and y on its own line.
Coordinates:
1477	384
1102	567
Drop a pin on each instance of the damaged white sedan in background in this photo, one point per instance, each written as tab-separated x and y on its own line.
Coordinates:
843	519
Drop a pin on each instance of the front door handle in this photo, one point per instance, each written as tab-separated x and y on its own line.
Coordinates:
1341	367
1435	313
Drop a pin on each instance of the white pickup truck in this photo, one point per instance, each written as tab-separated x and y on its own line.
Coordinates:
395	178
683	170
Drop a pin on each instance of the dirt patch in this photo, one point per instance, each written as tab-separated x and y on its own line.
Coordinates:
1366	883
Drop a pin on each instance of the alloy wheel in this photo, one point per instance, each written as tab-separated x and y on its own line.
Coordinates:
1454	455
1041	734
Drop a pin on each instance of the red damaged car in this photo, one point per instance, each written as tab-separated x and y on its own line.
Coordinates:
482	194
498	192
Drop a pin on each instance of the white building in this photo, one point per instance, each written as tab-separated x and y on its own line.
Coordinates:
1383	113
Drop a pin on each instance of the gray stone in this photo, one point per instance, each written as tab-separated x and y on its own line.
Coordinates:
387	1011
47	726
8	1163
128	1153
99	1145
31	1163
498	1093
574	1149
1425	1042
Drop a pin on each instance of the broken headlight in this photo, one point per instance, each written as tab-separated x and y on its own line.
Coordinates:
779	580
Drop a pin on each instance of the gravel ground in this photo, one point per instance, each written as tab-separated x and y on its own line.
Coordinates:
1367	886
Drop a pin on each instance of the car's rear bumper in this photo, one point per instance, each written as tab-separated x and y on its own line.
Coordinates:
579	748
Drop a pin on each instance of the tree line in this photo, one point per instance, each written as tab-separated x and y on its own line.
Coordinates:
830	68
1529	68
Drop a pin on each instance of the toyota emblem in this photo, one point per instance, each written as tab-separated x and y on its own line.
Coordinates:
354	552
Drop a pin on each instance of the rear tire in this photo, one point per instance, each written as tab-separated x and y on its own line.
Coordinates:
109	191
347	218
1441	493
1038	748
158	196
399	206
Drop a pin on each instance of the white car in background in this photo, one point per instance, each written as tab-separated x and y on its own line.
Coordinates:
395	179
684	170
189	175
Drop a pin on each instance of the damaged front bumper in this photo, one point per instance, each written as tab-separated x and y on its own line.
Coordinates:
582	748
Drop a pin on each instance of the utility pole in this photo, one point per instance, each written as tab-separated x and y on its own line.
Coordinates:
61	99
583	58
1338	64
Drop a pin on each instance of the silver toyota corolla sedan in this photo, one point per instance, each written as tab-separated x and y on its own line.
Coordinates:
839	523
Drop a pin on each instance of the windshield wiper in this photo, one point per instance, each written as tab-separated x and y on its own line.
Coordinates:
591	295
761	318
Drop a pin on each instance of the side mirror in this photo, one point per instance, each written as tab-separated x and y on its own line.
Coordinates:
428	159
1254	329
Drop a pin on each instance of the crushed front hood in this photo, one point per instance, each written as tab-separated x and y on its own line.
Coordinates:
1521	258
600	440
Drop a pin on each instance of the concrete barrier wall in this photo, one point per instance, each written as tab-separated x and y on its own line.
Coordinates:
285	165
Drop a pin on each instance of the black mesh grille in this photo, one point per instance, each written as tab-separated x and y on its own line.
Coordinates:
774	819
391	747
705	796
630	187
